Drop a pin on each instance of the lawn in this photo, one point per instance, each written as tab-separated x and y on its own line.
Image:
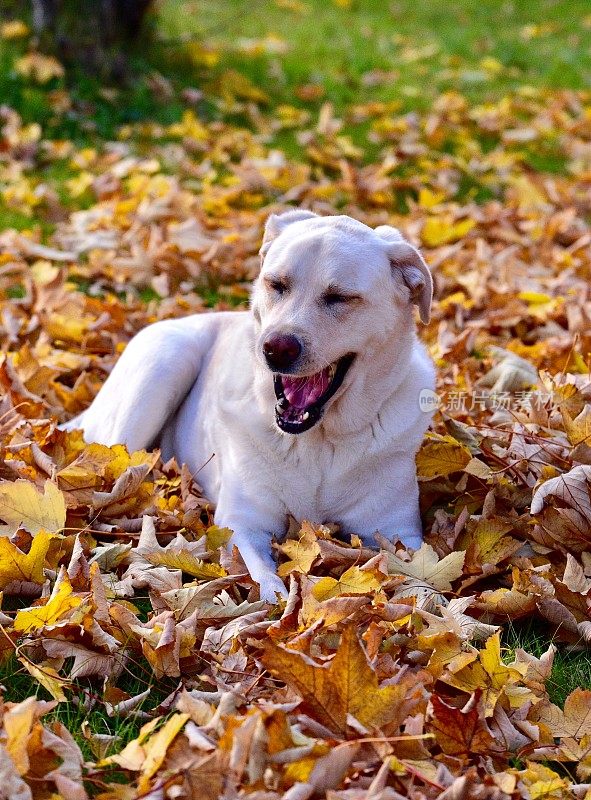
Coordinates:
469	127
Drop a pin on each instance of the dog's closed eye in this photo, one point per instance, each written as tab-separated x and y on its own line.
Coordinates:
336	298
277	285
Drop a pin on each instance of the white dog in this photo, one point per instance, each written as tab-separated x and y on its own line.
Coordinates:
307	405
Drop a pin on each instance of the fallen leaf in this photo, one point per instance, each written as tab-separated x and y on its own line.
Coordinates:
23	505
347	685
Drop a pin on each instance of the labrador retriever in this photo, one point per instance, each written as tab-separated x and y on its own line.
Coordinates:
307	405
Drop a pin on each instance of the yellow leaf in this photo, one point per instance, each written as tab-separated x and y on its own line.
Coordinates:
542	783
353	581
148	751
44	272
18	566
217	537
15	29
63	326
427	566
302	552
429	199
347	685
156	747
78	185
578	429
48	678
489	673
132	756
202	56
491	65
39	68
440	230
61	601
23	505
535	298
234	84
490	543
186	562
299	771
440	456
456	299
189	128
18	722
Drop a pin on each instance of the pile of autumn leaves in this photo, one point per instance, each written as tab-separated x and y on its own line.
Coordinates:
384	676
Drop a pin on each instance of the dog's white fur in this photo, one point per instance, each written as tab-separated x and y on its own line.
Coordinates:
200	388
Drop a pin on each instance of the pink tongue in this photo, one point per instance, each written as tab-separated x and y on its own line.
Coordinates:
302	392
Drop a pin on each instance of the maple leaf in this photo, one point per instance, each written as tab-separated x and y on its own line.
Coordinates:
355	580
441	456
179	554
347	685
487	543
487	672
578	429
209	601
574	722
23	505
453	620
574	578
542	782
303	552
15	29
61	601
462	731
425	565
18	723
125	486
18	566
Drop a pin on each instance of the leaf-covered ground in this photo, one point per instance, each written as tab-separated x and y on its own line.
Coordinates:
137	658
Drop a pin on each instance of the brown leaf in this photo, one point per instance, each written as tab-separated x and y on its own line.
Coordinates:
462	731
347	685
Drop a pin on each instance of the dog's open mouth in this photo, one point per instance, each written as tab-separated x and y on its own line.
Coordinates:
301	399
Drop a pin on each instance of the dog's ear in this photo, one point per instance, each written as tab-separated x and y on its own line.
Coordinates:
277	223
407	260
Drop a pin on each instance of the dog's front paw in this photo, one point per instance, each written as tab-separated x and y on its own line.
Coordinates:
271	585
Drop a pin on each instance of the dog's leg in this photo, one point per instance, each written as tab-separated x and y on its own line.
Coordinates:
154	374
254	547
251	519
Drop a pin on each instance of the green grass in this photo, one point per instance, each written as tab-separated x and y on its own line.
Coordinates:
18	685
571	668
433	46
426	48
482	50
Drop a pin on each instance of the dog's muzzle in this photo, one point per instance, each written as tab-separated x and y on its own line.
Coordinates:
301	399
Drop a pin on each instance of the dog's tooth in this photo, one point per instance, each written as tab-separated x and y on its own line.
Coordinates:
305	416
282	404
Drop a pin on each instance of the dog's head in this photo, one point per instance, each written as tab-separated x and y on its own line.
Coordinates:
330	290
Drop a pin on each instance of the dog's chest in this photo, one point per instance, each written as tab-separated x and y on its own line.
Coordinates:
319	480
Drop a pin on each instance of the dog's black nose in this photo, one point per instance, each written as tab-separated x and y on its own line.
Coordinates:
282	350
